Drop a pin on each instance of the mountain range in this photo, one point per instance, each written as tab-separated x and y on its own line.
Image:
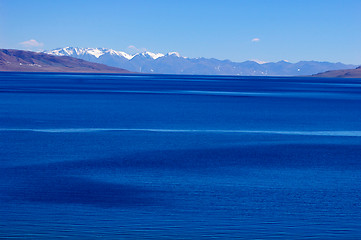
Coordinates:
27	61
174	63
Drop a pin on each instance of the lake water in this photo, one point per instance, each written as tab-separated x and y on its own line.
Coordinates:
179	157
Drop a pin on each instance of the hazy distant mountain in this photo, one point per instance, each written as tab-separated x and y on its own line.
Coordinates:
174	63
344	73
26	61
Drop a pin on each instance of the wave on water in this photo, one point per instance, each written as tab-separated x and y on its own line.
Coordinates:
90	130
277	94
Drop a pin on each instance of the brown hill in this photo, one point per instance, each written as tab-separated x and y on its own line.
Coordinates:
27	61
345	73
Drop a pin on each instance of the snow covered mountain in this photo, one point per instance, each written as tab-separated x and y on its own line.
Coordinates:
98	52
28	61
174	63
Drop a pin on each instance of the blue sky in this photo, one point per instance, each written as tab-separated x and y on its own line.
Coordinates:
239	30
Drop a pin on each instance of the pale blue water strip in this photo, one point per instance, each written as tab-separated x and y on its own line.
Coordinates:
89	130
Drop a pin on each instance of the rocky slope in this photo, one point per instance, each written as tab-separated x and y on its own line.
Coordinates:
345	73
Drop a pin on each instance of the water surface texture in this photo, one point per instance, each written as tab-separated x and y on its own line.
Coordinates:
179	157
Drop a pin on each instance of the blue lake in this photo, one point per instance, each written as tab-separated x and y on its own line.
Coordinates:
86	156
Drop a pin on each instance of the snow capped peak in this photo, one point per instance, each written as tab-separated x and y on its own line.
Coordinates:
62	51
174	54
119	53
150	55
98	52
71	51
258	61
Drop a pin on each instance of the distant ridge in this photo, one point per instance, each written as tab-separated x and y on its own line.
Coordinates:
27	61
344	73
175	63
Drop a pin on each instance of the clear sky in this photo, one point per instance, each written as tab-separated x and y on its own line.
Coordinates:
239	30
